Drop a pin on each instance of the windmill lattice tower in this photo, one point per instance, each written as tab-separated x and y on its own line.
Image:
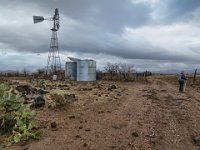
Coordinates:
53	61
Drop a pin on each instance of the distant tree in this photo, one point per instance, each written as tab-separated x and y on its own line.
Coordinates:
126	70
17	73
99	74
41	71
25	72
112	69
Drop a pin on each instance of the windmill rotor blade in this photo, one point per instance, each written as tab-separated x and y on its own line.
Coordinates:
37	19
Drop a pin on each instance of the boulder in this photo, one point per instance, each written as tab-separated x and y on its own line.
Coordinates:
197	140
112	87
42	91
53	125
38	102
23	88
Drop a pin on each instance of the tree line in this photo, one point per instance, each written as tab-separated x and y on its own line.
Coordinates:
122	72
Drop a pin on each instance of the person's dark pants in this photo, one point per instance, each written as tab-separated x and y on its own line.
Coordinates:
181	84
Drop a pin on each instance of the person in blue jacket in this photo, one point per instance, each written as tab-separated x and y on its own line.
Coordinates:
181	79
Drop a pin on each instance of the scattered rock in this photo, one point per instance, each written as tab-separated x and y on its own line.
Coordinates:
25	101
42	91
53	125
23	88
72	117
87	130
60	85
134	134
112	87
163	90
147	94
78	136
118	94
100	112
86	89
85	144
38	102
80	127
197	140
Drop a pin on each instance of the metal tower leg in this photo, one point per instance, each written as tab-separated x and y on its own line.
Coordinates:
53	62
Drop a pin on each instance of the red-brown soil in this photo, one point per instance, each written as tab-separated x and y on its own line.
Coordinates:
135	116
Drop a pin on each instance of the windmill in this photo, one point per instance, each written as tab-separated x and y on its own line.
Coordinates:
53	61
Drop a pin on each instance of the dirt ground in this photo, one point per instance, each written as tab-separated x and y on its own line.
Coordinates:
134	116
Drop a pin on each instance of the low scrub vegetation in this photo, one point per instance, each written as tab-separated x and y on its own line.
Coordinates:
15	120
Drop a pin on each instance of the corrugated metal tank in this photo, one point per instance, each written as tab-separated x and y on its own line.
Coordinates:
86	70
71	70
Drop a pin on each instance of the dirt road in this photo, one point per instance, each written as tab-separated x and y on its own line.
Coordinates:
151	115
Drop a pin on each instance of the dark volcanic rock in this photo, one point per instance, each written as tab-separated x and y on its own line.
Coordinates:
42	91
87	130
112	87
197	140
53	125
72	117
38	102
23	88
135	134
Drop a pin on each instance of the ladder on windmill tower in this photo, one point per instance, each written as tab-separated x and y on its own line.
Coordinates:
53	60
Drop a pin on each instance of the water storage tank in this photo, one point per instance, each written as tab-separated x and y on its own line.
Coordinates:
71	70
86	70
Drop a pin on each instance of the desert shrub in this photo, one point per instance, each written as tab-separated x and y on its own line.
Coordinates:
63	100
41	83
14	119
58	99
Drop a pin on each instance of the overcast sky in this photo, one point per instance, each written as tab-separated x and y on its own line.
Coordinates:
152	35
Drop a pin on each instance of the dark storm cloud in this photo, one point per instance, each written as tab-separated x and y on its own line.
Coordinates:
93	26
95	19
173	11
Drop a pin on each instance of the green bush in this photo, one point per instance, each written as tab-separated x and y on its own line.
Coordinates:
41	83
14	119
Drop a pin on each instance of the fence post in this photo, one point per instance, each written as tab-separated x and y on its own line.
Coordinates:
195	73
